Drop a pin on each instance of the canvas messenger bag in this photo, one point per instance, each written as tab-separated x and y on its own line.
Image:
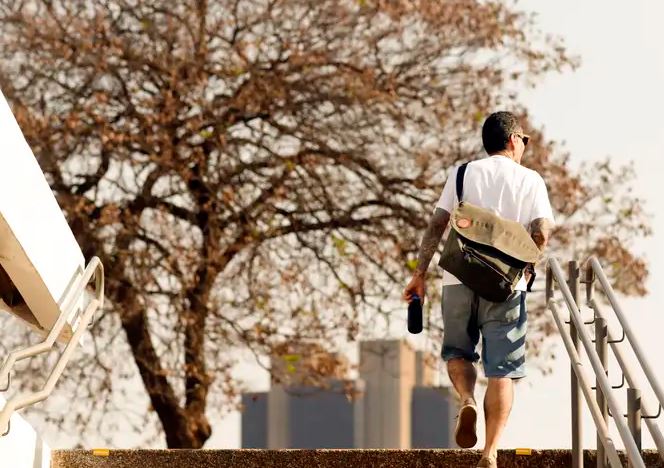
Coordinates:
486	252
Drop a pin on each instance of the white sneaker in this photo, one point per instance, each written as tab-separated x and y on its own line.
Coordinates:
488	462
465	433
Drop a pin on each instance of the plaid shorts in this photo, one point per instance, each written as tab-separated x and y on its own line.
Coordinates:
501	324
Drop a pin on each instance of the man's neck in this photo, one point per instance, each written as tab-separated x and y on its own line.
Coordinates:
508	156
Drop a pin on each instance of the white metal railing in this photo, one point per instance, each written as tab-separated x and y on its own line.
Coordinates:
594	271
605	404
79	323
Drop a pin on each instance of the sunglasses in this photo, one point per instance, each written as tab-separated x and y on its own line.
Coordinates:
523	137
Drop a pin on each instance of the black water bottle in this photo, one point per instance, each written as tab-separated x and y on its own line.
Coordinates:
415	314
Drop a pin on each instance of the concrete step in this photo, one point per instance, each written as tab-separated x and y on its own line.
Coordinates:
316	458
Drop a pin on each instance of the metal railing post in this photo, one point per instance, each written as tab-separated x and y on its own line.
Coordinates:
577	430
602	429
601	346
634	415
549	283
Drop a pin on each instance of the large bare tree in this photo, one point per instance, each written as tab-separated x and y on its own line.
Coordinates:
259	172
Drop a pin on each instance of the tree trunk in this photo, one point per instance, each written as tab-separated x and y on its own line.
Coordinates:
183	428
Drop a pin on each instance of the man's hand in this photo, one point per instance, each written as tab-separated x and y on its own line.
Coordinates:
417	286
540	231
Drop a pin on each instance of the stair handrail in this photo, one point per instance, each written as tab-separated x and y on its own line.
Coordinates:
94	269
554	272
596	268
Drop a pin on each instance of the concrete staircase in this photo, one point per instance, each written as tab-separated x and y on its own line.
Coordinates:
316	459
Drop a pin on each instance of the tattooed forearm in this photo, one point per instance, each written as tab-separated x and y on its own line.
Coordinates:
540	231
431	239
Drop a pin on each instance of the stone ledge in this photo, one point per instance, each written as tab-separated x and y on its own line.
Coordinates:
317	459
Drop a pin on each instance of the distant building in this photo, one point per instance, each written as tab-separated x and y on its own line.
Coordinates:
254	420
393	403
433	413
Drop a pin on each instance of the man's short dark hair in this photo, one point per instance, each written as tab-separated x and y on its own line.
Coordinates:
497	129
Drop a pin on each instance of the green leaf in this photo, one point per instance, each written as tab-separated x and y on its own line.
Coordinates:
340	245
237	71
206	133
292	358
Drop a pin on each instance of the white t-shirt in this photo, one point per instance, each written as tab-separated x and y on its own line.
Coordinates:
503	186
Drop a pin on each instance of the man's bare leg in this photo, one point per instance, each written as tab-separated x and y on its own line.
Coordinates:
497	406
463	376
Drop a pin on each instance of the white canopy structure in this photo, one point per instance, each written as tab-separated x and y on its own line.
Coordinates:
43	277
23	447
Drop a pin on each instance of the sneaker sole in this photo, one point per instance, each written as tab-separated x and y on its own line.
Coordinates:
465	434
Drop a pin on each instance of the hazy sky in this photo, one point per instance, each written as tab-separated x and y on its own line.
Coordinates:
611	105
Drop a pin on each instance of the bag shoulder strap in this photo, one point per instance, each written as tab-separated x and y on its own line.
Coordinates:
461	172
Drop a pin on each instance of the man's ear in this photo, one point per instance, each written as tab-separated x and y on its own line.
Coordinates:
511	145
